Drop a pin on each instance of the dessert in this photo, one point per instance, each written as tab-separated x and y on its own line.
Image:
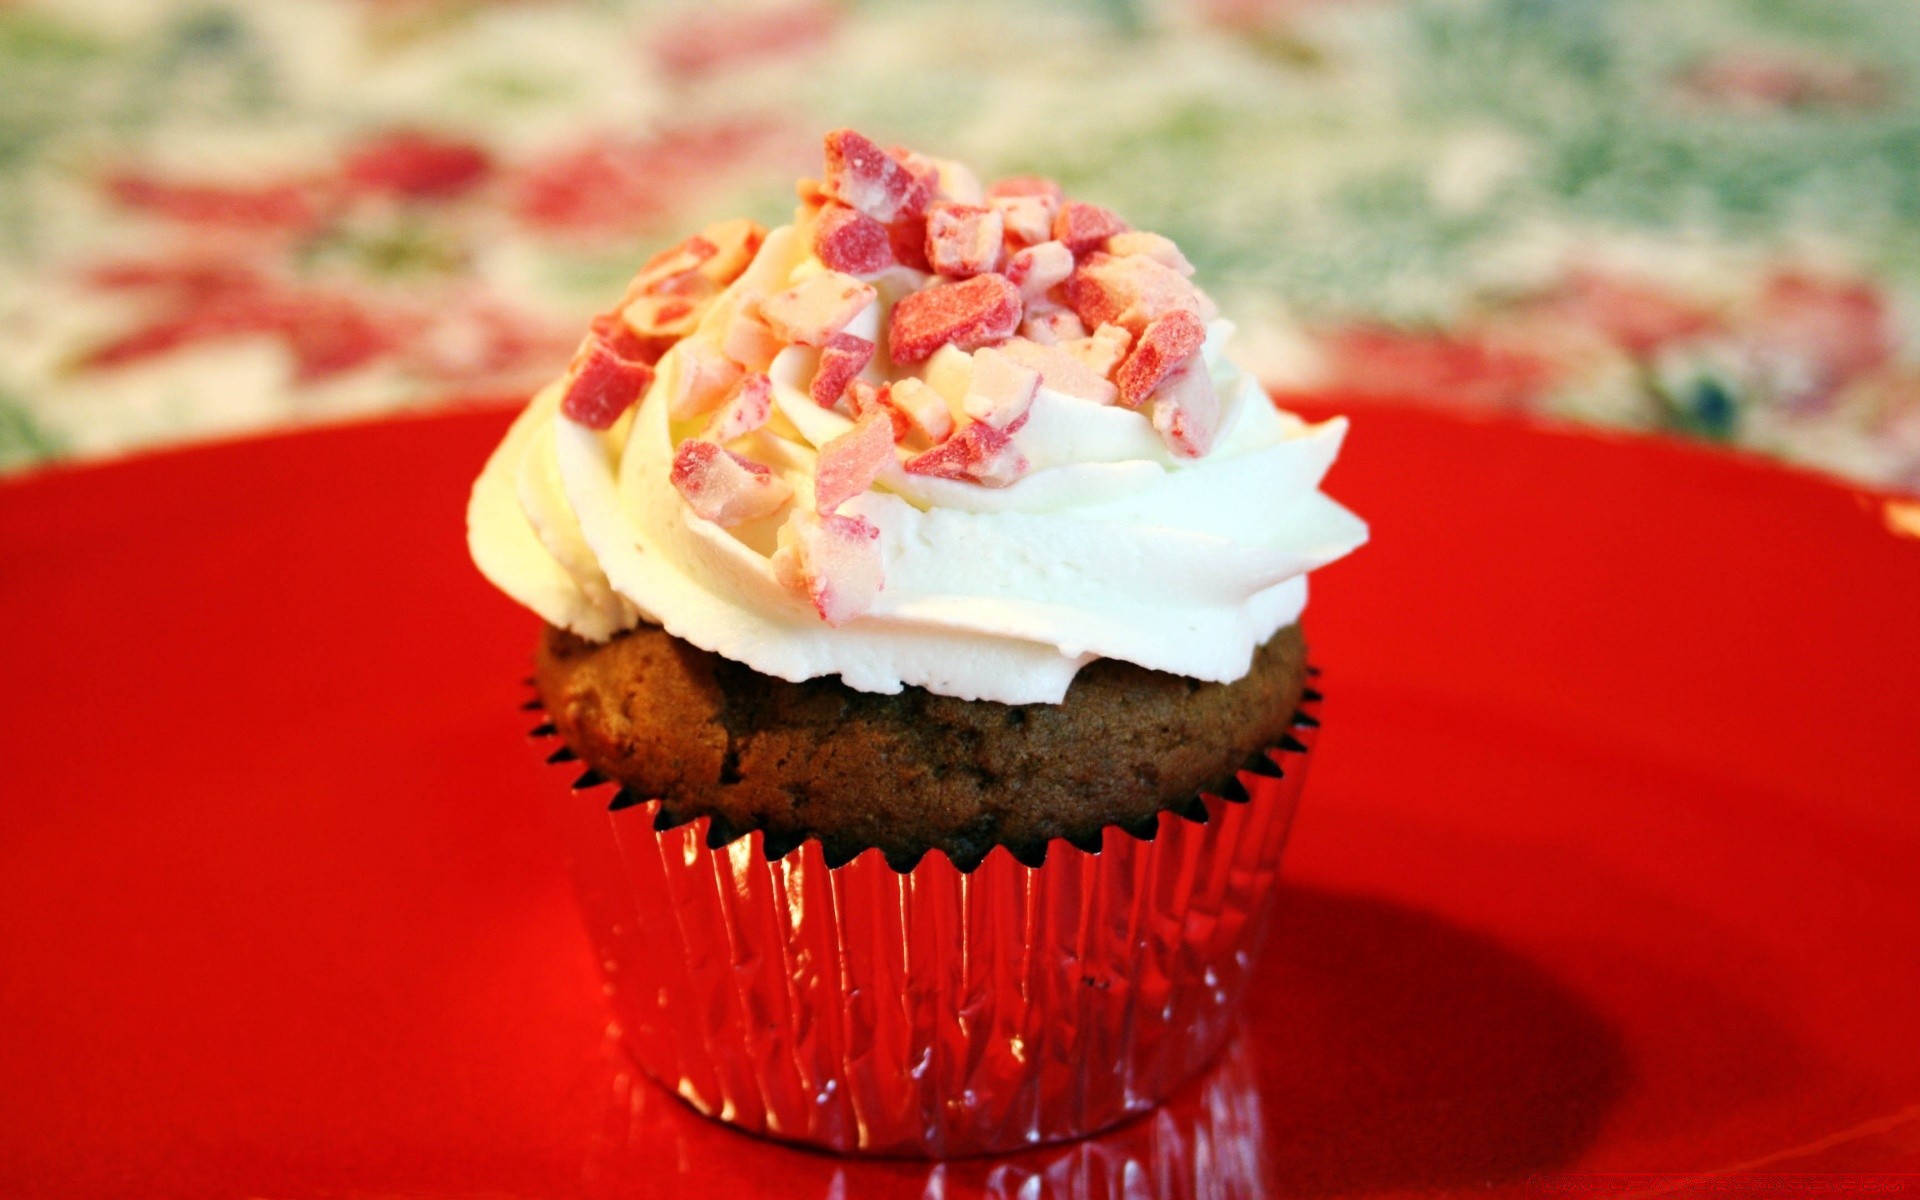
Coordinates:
931	525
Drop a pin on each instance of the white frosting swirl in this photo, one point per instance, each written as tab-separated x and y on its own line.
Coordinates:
1109	547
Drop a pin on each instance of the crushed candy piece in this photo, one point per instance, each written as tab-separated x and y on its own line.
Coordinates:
862	398
724	487
861	175
968	314
816	308
851	242
1052	328
1186	411
661	316
956	181
834	561
1166	343
625	342
978	453
703	379
1001	391
963	240
848	464
748	341
1084	227
1060	371
1129	291
1101	350
745	409
907	238
602	384
675	269
926	170
843	357
1027	220
735	243
1151	245
1037	270
920	413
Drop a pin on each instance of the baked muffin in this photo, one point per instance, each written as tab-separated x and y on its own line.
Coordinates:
911	772
892	547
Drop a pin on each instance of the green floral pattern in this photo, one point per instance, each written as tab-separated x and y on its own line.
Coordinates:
1699	216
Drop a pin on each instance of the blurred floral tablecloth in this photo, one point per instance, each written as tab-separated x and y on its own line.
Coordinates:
1696	215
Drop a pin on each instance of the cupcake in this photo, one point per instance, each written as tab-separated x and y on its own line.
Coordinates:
922	590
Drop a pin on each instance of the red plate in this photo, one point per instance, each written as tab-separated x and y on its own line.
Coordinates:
1607	865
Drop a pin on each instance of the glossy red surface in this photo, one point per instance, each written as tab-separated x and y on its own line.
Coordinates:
1607	863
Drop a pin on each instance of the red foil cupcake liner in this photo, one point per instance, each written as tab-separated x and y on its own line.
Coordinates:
932	1012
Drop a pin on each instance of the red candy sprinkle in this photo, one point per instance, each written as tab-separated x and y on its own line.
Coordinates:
862	398
918	411
1052	328
1038	269
723	487
813	310
601	384
907	238
979	453
849	241
1130	291
968	315
702	378
746	409
1186	412
1001	391
749	342
963	239
675	269
844	357
1027	219
862	175
1166	343
735	243
1061	370
848	464
834	561
1084	227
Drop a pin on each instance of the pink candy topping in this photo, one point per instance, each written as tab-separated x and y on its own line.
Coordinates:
861	175
968	315
979	453
849	241
745	409
1164	347
1084	226
833	561
1002	390
1039	290
602	384
1186	412
963	239
724	487
849	463
843	357
813	310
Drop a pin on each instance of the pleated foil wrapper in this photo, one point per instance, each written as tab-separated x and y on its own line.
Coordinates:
933	1012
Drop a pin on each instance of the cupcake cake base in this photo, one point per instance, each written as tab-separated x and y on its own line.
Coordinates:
935	1011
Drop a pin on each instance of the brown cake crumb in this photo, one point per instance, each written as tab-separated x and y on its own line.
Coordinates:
911	772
